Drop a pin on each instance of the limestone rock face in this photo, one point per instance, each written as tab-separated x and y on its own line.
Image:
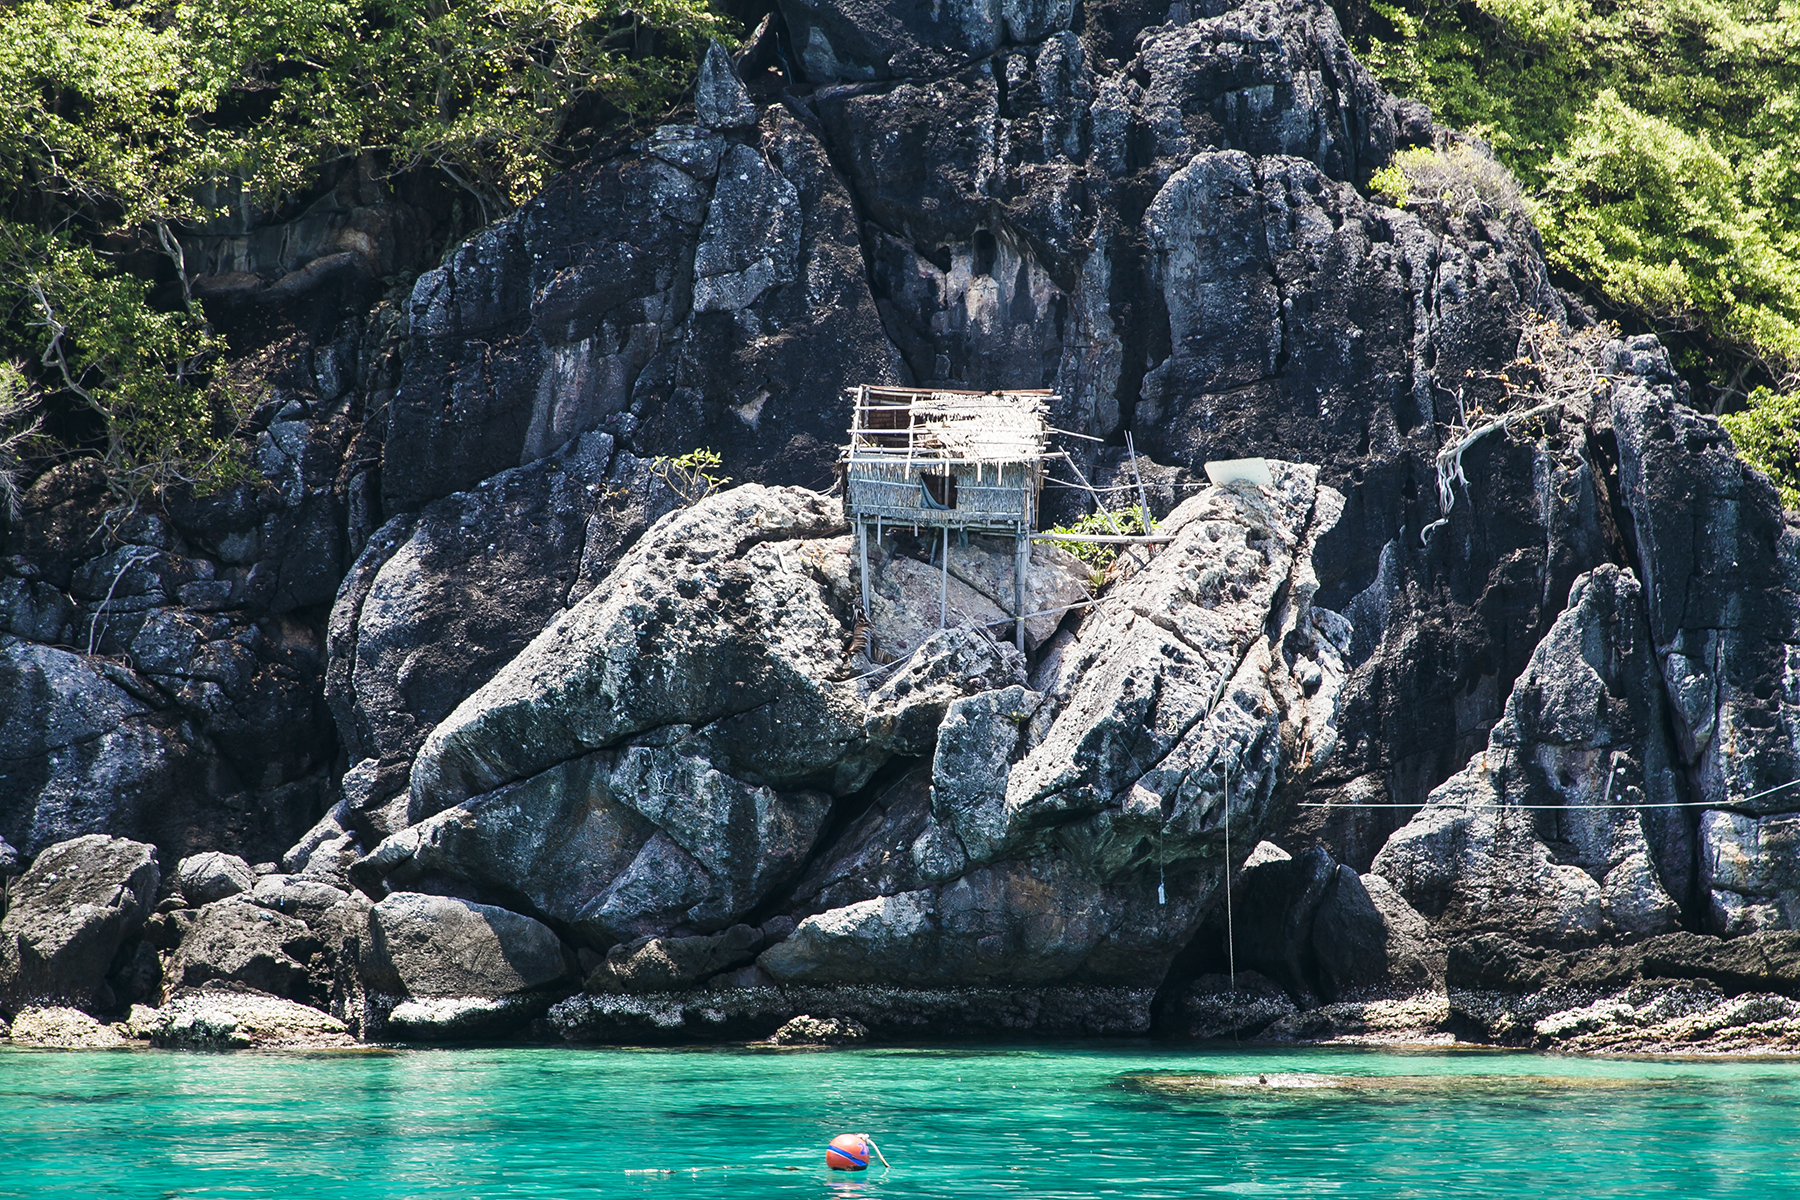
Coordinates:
1722	587
439	946
721	619
67	917
1050	816
1584	728
95	749
631	774
212	736
1153	211
441	599
699	294
1195	673
1272	77
869	39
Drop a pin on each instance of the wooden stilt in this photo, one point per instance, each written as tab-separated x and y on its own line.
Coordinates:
1021	563
862	550
944	584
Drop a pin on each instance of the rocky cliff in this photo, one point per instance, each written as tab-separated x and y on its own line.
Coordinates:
466	717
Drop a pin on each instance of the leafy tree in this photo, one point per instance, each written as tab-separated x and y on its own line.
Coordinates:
1661	140
128	121
1768	436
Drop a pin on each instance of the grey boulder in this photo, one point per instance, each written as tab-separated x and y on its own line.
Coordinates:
307	897
238	942
431	947
68	916
673	964
213	876
722	617
615	845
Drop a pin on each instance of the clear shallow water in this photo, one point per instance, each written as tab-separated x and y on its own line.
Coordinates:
1042	1121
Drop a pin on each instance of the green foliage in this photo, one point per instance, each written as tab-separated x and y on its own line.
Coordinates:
1099	556
128	120
1660	137
1768	436
15	430
135	366
693	475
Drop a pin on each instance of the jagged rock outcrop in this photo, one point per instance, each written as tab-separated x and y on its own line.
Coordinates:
1505	846
708	291
160	670
1048	813
630	773
68	916
1721	569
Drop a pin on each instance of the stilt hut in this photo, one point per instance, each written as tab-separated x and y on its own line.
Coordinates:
940	460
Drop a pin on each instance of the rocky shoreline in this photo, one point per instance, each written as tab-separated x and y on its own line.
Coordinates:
472	717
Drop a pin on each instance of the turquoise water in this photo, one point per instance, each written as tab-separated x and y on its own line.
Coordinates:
1040	1121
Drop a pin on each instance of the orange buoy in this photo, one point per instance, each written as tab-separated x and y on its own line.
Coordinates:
848	1152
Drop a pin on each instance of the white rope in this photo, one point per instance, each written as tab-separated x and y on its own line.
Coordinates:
1716	804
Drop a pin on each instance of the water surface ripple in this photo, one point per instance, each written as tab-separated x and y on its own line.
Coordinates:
1046	1121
